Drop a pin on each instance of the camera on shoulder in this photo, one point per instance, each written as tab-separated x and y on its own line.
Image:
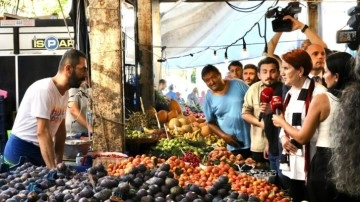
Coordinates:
279	24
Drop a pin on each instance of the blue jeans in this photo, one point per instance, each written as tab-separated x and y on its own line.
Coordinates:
281	180
16	147
274	162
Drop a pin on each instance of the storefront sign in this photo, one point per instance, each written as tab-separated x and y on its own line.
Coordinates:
17	23
52	43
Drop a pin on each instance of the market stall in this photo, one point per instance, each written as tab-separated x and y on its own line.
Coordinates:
184	162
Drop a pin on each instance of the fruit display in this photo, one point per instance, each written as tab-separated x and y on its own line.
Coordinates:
147	178
139	120
176	146
174	180
175	106
134	134
194	136
195	111
188	159
126	165
31	183
191	158
210	140
221	154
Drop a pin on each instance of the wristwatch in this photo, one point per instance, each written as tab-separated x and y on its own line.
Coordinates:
304	28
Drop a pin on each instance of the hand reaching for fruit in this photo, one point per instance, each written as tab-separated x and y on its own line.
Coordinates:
232	140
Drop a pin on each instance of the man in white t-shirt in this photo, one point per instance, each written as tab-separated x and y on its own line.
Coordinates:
39	129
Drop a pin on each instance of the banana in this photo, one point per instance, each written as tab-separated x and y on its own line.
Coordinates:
147	130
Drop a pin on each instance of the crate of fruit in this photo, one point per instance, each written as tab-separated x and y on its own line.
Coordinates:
107	158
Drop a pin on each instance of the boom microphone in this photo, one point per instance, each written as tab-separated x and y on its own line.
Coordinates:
276	104
265	96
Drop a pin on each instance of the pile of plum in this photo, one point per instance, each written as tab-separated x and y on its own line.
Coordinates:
30	183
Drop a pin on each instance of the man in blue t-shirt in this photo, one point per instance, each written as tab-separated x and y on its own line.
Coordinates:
171	94
222	108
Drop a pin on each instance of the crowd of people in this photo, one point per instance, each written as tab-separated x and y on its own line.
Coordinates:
193	99
311	138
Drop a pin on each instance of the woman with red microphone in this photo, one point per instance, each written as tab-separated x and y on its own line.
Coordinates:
294	164
317	125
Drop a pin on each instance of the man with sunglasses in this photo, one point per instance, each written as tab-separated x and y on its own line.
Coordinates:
39	131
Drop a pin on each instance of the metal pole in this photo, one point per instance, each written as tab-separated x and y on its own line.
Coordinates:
17	81
16	40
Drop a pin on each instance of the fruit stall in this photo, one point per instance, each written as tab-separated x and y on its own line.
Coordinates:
183	162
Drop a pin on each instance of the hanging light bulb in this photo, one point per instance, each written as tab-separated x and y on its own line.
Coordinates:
244	52
226	61
214	56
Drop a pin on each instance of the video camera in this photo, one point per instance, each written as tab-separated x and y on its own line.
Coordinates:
280	25
351	36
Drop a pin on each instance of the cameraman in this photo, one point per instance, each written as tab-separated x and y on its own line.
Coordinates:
314	46
317	49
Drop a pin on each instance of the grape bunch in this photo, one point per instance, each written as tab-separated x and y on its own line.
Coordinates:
191	158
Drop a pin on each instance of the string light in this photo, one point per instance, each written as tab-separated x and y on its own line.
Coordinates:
244	52
244	44
226	56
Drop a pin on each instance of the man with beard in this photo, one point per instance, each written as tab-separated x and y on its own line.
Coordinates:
249	74
254	109
39	128
222	108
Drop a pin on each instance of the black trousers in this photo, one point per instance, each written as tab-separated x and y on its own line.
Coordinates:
298	191
258	157
320	187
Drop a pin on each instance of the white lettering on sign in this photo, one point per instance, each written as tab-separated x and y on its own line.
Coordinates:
51	43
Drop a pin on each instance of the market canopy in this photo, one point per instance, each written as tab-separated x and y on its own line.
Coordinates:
193	32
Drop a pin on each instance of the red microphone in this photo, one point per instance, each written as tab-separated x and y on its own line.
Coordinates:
265	96
276	104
